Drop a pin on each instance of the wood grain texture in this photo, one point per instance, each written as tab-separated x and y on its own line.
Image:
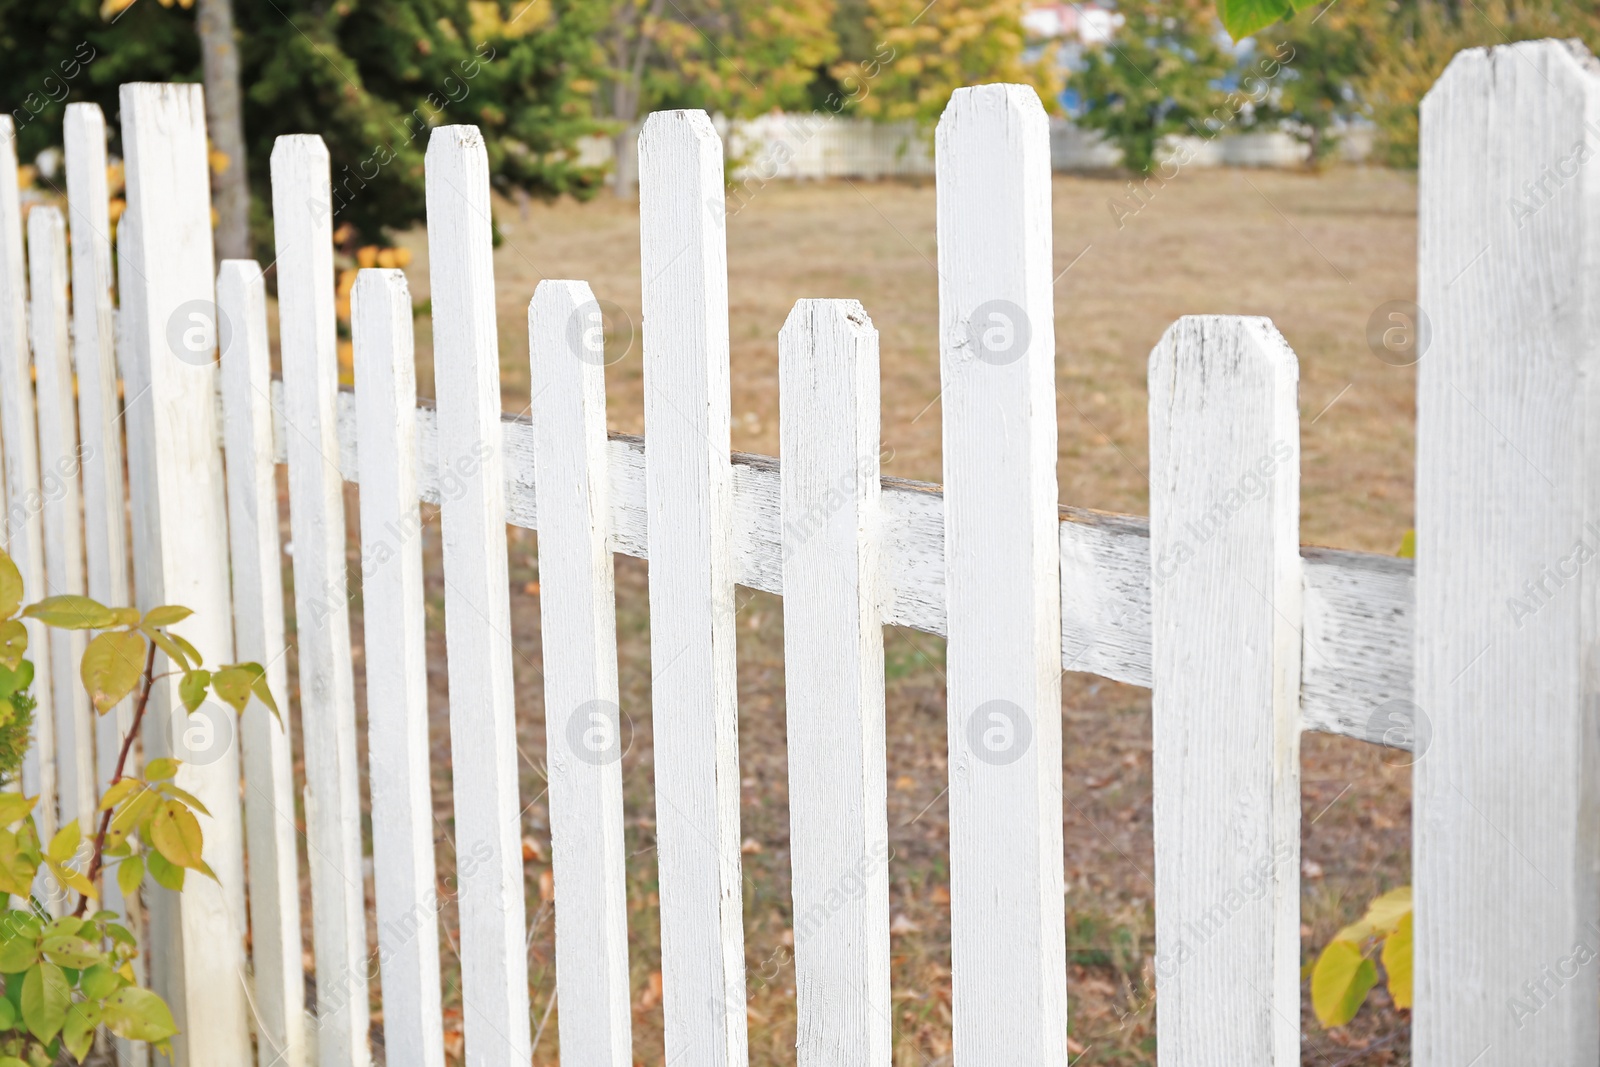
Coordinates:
62	504
1002	579
584	732
269	800
833	669
1358	605
689	500
180	555
1225	717
1505	855
303	229
105	514
393	612
153	967
483	739
105	529
24	521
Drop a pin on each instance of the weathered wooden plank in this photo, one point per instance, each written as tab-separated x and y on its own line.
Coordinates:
105	533
179	510
105	516
1225	716
1505	856
689	498
62	504
270	832
393	614
1002	579
483	738
1358	605
24	521
303	230
833	666
583	719
158	910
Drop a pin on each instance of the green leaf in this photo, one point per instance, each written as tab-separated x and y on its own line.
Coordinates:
157	769
1241	18
12	1061
232	685
1397	949
14	807
125	616
66	925
166	615
111	667
192	688
10	587
130	872
189	650
263	693
138	1015
8	1019
166	874
71	951
166	644
100	981
46	995
65	843
13	680
1340	983
18	954
68	612
194	802
13	644
78	1031
175	833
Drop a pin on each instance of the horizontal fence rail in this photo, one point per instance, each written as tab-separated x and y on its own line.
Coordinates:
1356	670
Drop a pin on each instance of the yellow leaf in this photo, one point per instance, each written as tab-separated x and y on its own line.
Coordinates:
1397	952
10	587
111	667
1340	983
1385	913
175	832
13	643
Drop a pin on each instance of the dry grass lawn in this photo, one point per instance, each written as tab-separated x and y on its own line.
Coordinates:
1315	253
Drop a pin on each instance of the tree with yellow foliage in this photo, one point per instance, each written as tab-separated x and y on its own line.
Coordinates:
925	52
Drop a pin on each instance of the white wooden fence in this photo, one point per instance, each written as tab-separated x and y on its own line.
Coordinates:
1246	637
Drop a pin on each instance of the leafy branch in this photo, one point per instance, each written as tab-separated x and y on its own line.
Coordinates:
66	977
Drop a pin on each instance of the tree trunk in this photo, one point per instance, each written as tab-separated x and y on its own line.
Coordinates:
230	180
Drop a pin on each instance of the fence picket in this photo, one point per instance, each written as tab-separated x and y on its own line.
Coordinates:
302	220
1002	560
258	626
105	516
105	534
62	506
583	720
833	665
1225	552
689	499
477	601
397	670
180	555
24	525
1507	864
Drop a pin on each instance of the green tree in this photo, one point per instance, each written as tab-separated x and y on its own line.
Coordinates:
1158	76
373	77
1324	61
